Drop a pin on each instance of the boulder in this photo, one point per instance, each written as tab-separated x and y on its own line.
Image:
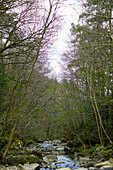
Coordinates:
50	158
90	163
33	166
107	167
17	145
102	164
92	168
21	159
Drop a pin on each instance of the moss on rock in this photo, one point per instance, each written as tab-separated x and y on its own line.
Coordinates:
21	159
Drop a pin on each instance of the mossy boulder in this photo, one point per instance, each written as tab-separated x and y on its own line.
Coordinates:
17	145
21	159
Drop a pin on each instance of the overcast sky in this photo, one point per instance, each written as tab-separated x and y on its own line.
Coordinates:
70	11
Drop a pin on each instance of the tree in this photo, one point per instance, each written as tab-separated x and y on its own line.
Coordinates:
90	62
25	41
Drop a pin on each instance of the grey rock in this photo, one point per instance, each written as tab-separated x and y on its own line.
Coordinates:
33	166
92	168
107	167
50	158
102	164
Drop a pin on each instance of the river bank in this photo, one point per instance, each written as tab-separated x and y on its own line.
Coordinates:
57	155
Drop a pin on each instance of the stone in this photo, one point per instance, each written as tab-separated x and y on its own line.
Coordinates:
92	168
102	164
50	158
33	166
90	163
17	144
107	167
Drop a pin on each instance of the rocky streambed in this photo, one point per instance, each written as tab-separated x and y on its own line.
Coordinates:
54	155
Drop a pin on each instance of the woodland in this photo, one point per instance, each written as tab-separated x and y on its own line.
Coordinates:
34	107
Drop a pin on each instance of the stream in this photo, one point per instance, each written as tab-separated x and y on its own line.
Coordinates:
63	160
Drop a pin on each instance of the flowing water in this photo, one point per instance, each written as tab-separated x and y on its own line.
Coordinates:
64	160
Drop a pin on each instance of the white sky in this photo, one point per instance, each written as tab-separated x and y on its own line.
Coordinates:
70	11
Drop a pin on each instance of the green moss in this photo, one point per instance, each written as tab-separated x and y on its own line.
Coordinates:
21	159
17	144
84	152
